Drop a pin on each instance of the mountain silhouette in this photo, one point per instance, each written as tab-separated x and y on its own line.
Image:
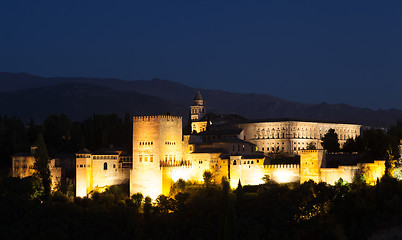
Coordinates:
26	96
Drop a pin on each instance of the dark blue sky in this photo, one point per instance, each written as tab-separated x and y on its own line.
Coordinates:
307	51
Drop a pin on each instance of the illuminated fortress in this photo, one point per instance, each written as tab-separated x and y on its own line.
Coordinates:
227	146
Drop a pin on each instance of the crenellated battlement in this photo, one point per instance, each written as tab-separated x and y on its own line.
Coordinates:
282	166
309	151
182	163
164	168
155	117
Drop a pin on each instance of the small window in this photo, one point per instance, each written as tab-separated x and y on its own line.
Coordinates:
151	158
234	162
104	166
114	165
81	166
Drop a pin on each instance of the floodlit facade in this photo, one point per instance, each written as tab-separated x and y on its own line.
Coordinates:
291	136
97	170
237	150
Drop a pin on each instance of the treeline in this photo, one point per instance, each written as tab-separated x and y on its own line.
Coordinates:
191	211
372	144
63	135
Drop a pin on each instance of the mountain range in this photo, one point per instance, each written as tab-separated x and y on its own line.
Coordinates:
28	96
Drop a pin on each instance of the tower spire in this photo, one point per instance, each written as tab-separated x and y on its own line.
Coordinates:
198	96
197	108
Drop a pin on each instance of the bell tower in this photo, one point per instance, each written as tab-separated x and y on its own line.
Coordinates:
197	108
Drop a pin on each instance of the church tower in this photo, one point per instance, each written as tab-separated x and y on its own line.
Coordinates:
197	108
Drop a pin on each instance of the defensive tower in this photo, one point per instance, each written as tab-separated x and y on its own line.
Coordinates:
157	141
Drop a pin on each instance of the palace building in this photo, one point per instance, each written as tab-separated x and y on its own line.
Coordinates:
226	145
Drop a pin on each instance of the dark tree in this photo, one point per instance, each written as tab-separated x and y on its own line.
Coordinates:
57	133
147	207
390	163
311	146
13	139
349	146
41	166
330	141
375	144
239	192
207	175
187	128
137	201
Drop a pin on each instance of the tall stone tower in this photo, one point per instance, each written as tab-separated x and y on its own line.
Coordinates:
197	108
84	176
157	140
310	164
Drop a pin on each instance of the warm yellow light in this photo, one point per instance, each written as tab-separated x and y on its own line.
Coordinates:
179	173
283	176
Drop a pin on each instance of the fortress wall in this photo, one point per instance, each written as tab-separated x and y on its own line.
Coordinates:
372	171
173	174
332	175
249	171
219	168
310	168
283	173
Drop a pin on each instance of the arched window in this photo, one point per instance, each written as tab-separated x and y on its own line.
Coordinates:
105	166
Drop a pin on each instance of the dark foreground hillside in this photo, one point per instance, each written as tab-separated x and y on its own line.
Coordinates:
307	211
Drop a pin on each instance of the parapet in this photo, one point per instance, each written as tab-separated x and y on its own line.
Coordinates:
282	166
309	151
155	117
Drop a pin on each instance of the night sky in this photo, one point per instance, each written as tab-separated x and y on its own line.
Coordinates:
306	51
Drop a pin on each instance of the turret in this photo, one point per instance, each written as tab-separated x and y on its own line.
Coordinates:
197	108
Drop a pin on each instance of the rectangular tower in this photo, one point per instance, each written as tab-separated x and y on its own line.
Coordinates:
157	141
310	165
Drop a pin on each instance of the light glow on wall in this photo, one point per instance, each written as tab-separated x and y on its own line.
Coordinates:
178	173
283	176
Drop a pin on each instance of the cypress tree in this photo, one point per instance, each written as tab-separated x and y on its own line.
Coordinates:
41	166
